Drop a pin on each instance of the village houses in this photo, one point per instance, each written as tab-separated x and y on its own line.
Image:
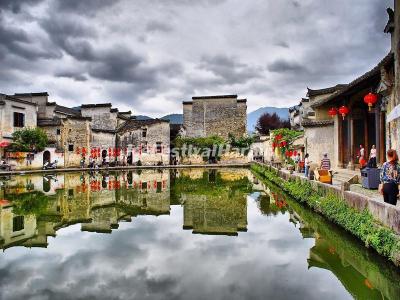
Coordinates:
78	135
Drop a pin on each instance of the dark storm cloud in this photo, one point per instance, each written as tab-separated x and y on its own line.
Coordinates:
84	7
71	36
154	26
16	5
229	70
169	49
71	74
16	41
283	66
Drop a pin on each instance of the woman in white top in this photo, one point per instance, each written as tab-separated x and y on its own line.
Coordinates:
372	158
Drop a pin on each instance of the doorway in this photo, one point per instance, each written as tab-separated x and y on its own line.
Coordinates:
46	156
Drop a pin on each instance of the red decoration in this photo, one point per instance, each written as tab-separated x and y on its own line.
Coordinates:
332	112
83	151
290	153
343	111
370	99
78	151
284	143
295	153
287	153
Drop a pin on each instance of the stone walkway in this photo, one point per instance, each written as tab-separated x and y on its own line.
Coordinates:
357	188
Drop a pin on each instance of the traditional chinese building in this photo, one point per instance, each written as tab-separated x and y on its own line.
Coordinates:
215	115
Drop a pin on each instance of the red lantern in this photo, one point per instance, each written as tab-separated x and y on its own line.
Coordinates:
83	151
287	153
290	153
284	143
343	111
78	151
370	99
332	112
295	153
98	152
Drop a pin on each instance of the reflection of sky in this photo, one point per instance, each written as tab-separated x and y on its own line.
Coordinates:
153	258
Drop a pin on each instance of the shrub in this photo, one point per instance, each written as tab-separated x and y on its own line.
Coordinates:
361	224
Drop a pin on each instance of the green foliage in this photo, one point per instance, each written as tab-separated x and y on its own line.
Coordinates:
32	203
288	135
361	224
199	142
29	140
243	142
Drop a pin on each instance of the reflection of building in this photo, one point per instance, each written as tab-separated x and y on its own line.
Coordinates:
215	214
99	202
15	229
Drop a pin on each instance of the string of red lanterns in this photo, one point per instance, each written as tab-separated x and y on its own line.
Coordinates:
370	99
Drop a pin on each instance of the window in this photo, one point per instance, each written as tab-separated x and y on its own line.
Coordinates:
144	132
159	147
71	147
159	186
144	185
144	147
19	119
58	132
18	223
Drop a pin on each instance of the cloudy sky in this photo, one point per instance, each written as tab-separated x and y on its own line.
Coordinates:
150	55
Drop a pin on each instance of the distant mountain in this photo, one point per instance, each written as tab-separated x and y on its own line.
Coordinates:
141	117
174	118
253	117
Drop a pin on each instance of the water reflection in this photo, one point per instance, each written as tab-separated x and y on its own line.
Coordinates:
285	250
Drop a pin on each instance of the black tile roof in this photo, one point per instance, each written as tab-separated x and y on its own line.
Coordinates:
324	91
214	97
96	105
137	124
15	99
66	110
317	123
31	94
49	122
373	74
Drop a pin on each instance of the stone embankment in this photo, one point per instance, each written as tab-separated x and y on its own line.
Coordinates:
374	222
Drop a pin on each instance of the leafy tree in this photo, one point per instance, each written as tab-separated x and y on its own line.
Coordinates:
29	140
269	122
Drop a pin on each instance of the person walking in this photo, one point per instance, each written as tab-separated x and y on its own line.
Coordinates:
390	178
307	163
372	158
325	163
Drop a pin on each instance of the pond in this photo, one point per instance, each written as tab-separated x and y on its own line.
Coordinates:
176	234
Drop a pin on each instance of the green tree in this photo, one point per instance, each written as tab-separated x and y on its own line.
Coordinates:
29	140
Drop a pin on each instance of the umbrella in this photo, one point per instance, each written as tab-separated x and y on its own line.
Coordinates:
4	144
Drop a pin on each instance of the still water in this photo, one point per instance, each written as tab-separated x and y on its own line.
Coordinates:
190	234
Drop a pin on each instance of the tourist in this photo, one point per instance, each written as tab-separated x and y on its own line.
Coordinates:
361	157
107	161
297	161
390	178
372	158
325	163
307	163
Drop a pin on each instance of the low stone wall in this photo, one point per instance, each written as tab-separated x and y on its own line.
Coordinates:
386	214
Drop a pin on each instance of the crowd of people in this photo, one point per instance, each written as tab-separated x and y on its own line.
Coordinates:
389	173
